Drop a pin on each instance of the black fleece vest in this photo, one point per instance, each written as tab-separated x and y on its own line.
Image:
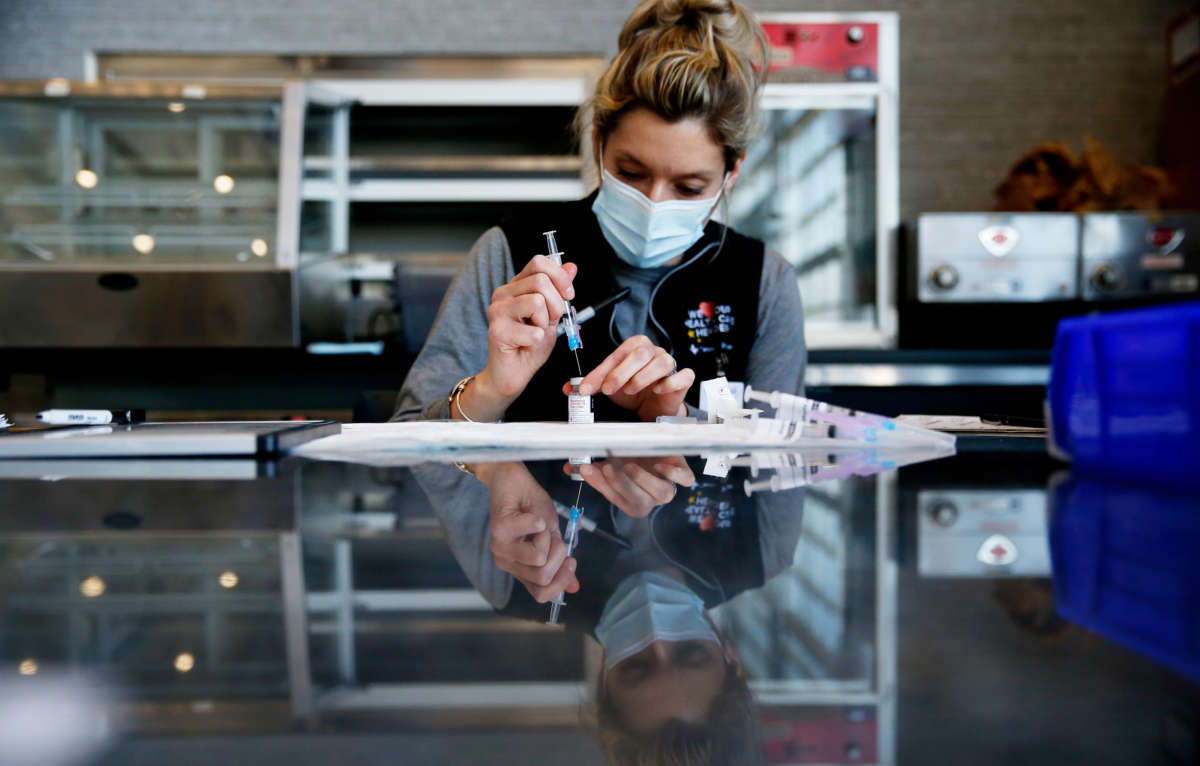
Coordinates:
708	308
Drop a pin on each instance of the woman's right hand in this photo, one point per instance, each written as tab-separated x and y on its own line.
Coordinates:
522	325
525	537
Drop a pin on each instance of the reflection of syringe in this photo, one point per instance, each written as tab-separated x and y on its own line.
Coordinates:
589	526
570	538
569	321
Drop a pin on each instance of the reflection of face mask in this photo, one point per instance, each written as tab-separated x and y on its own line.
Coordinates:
645	233
649	607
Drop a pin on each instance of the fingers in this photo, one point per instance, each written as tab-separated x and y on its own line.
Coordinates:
660	366
564	580
544	574
562	276
531	297
658	488
628	486
591	382
619	368
509	335
674	469
510	527
545	276
680	381
529	549
521	518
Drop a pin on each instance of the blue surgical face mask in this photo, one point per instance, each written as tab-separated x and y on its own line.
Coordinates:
646	234
648	607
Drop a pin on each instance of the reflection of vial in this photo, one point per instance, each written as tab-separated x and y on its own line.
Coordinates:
579	410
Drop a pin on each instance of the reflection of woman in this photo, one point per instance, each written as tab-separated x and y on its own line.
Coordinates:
672	689
671	119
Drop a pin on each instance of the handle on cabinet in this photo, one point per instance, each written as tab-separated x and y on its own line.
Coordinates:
118	281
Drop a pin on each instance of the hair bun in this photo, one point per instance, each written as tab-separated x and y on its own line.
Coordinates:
708	17
716	30
687	58
677	11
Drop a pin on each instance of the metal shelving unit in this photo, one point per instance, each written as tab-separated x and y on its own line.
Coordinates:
476	140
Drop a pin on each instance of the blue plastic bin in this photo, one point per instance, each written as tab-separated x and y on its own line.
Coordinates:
1124	393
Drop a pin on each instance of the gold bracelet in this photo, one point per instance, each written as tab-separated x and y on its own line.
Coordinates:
452	402
455	400
464	468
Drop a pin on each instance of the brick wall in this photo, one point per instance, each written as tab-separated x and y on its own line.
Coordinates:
981	80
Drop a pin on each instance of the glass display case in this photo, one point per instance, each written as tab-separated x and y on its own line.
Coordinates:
820	181
120	200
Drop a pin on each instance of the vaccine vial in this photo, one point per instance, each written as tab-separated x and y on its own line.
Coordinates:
579	407
579	410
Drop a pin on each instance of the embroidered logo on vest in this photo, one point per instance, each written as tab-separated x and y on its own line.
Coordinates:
710	327
712	510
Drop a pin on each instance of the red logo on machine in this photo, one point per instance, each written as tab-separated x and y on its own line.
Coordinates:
999	240
1164	238
997	551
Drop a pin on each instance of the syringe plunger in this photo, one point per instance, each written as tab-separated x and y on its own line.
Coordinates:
569	321
551	246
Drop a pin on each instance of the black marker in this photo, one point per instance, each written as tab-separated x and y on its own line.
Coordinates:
590	311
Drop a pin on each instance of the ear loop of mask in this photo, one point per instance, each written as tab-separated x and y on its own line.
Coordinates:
725	223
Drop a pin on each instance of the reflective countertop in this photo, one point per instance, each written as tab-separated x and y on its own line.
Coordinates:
987	607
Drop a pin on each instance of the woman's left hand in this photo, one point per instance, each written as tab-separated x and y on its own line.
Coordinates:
636	485
640	376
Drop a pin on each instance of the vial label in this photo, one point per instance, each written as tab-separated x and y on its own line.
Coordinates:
579	409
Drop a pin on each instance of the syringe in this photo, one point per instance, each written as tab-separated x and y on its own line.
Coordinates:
570	538
848	424
570	320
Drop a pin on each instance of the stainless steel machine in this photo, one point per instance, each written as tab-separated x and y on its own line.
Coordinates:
1003	280
1138	255
997	257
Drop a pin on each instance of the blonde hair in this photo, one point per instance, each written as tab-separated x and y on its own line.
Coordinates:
680	59
729	735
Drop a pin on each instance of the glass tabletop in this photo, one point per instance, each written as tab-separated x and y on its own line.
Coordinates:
770	607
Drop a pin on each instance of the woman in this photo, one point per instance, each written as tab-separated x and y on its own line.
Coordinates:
670	122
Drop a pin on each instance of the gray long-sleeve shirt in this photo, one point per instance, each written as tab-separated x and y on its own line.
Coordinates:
457	343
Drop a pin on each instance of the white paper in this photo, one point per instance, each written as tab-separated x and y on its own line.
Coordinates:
420	440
